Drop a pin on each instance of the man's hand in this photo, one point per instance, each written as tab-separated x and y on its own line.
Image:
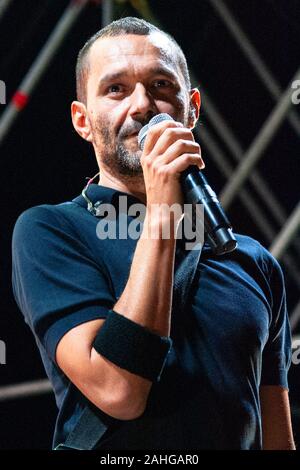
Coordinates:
169	149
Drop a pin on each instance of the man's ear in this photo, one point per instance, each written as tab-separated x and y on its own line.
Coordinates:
195	104
80	120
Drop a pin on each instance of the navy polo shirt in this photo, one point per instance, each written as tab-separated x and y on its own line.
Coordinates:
232	336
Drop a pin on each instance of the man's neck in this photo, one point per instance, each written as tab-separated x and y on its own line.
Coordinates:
135	186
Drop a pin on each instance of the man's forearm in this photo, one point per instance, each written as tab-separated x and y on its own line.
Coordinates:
147	297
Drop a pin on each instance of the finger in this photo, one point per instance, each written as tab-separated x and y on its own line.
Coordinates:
169	136
178	148
156	131
181	163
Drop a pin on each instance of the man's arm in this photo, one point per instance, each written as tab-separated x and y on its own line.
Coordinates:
276	418
147	297
147	300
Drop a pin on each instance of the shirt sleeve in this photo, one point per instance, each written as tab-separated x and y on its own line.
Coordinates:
56	282
277	352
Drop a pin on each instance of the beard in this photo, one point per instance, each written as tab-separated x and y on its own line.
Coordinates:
121	154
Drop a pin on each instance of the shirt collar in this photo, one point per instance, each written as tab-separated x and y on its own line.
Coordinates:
98	194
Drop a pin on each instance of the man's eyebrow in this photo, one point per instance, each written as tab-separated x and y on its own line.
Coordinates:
163	71
111	77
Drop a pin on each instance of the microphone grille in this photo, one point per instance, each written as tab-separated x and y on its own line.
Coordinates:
155	120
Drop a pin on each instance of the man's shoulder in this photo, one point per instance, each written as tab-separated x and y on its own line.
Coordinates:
58	226
252	248
246	243
41	211
46	215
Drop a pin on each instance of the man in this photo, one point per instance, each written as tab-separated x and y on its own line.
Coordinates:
210	373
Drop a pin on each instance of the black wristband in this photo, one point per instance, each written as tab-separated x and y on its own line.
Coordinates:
132	346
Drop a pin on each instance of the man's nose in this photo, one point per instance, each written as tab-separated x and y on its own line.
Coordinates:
142	104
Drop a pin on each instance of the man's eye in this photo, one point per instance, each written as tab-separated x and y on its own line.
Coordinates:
162	83
115	89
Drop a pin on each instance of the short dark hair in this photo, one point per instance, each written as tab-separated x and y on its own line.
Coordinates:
128	25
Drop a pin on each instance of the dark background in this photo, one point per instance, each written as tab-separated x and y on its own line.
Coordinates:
44	161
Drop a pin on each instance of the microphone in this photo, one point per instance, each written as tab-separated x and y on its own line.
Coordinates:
197	191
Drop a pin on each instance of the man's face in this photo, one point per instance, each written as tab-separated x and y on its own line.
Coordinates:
131	78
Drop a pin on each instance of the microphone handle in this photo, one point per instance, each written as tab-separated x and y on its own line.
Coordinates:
218	229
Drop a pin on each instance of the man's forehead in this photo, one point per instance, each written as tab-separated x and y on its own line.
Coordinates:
116	48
